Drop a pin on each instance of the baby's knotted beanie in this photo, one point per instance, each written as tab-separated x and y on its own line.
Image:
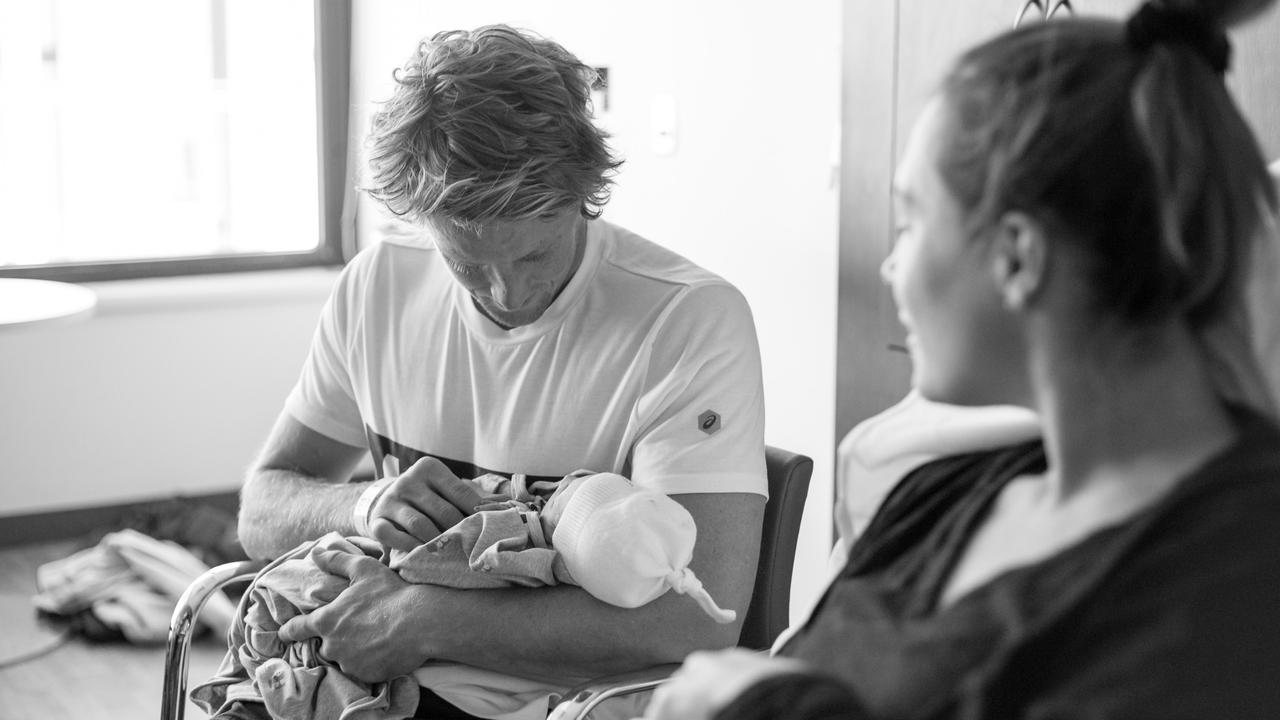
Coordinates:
628	545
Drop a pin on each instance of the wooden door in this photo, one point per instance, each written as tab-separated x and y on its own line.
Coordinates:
931	35
1254	77
868	377
894	55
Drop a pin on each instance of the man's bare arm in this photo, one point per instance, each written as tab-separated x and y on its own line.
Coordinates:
568	632
297	490
382	627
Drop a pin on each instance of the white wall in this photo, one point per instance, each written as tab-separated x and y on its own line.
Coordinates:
749	191
170	387
174	383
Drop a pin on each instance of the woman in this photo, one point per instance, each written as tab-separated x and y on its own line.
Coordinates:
1076	210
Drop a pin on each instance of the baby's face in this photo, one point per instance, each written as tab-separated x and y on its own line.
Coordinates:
559	500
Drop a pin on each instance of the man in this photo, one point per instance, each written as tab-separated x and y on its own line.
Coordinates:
518	334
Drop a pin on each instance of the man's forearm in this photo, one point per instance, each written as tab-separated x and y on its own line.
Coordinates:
279	509
562	631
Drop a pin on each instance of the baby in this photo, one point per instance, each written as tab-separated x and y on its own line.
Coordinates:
623	544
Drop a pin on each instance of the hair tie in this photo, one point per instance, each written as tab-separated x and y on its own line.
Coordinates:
1156	23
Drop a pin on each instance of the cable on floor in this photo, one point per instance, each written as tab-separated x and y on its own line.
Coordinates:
57	642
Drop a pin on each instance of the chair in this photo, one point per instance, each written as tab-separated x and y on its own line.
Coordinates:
766	616
769	611
173	703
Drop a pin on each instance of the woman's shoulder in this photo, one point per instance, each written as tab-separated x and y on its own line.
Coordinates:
1241	484
1232	502
947	480
939	489
1214	544
1191	606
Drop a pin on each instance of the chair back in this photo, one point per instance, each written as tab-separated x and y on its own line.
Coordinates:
769	612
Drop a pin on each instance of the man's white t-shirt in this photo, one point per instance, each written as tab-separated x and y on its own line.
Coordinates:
646	365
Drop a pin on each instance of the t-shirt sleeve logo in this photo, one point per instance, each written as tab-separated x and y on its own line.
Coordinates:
709	422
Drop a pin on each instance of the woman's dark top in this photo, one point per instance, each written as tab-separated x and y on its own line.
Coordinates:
1173	613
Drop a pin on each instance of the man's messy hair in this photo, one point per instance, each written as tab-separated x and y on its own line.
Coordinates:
490	124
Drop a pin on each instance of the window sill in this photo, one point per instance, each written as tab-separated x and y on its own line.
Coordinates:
202	292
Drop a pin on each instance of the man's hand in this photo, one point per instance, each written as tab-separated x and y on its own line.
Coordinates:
364	630
421	503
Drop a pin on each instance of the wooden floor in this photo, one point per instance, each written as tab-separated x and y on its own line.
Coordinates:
78	680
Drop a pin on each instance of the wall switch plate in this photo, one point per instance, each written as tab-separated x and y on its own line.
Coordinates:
663	124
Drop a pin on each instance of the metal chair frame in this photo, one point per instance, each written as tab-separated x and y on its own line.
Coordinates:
182	625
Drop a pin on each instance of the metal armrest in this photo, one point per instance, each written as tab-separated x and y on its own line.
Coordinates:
581	700
174	702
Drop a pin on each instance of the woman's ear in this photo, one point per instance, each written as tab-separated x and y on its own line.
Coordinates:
1019	259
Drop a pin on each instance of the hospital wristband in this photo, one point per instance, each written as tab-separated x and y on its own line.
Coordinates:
364	505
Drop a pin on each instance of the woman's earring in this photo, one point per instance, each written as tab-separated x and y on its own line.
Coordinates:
1015	299
1011	292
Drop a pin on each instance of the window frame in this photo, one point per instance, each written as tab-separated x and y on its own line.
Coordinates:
333	72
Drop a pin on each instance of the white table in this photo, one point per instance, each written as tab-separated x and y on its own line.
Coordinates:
30	302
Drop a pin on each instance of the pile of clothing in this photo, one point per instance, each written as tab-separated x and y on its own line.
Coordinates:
125	586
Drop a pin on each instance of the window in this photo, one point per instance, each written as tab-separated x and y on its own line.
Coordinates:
152	137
